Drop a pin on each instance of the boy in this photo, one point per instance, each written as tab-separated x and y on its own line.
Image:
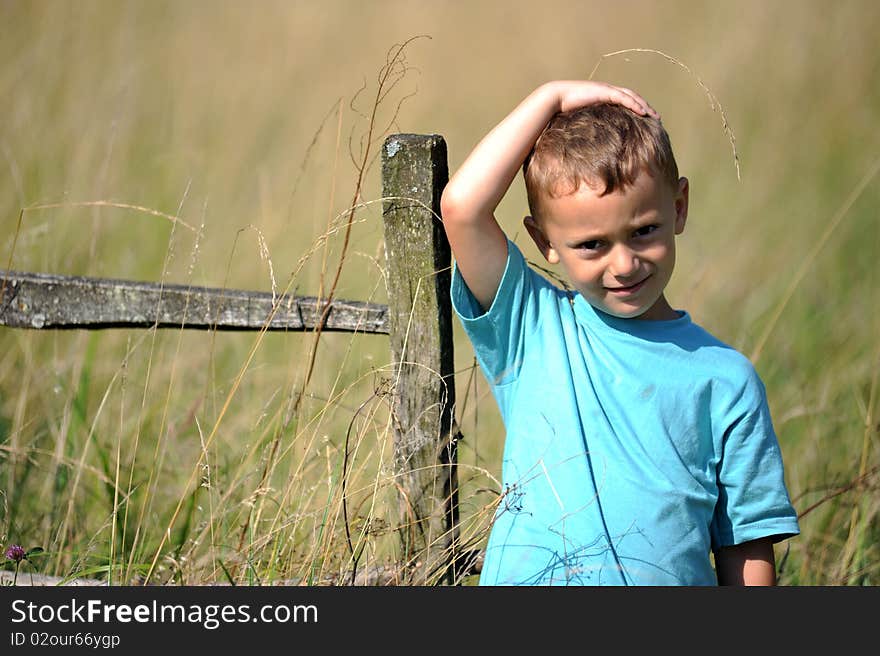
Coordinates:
637	444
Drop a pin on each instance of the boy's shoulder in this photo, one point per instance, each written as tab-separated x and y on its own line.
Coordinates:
726	354
727	369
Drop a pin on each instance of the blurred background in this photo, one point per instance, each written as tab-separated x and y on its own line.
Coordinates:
250	122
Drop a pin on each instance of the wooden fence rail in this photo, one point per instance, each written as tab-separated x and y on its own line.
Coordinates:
40	300
417	319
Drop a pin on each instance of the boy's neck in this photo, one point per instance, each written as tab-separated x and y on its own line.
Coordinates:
660	311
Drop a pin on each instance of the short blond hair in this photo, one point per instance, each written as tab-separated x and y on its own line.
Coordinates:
605	146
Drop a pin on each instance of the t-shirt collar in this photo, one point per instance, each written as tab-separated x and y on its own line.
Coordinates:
592	316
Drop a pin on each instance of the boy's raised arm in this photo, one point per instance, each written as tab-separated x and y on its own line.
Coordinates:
472	194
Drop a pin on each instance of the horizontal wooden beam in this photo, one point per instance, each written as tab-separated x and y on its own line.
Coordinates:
46	301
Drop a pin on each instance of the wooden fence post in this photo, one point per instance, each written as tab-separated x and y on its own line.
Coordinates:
414	172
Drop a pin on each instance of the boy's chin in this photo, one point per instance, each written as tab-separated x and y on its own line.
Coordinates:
622	311
635	313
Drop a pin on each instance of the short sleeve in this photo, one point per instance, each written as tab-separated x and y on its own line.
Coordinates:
753	501
498	335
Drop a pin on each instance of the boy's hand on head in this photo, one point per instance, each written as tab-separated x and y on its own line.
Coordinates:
472	194
574	94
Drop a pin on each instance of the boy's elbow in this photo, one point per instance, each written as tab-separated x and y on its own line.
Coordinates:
451	204
457	206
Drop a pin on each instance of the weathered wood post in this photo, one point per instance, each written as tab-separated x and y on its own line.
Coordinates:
414	172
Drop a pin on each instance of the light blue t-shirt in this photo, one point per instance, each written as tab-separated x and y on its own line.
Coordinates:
633	447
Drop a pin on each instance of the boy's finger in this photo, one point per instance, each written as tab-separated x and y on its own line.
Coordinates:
641	105
630	99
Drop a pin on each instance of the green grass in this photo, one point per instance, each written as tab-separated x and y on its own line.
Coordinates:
181	457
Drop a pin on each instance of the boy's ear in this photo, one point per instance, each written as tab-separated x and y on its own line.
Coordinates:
681	205
541	241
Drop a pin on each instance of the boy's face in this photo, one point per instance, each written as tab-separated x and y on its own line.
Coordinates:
618	250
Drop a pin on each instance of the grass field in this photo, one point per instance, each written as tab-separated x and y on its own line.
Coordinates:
176	457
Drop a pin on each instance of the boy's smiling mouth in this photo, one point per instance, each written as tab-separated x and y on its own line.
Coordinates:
628	289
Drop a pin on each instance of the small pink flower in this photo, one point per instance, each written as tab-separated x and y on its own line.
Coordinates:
16	552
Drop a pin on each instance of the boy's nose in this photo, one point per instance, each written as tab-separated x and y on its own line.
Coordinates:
623	262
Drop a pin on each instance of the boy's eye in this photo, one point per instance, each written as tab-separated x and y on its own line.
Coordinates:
590	245
645	230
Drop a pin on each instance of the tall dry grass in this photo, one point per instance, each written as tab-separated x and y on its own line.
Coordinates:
169	456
